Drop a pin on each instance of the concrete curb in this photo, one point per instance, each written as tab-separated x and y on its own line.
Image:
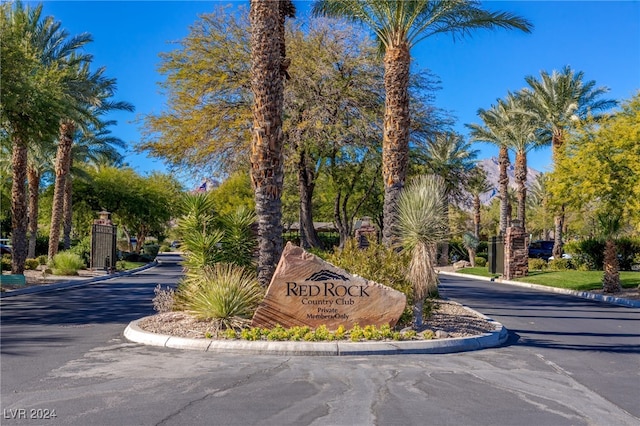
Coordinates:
73	283
440	346
583	294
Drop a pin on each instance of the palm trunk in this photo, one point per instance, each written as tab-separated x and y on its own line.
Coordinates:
503	188
306	184
19	205
395	141
557	141
33	177
611	280
268	68
67	211
521	181
476	216
444	246
63	158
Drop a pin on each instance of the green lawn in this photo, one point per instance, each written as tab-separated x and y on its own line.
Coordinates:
125	265
573	280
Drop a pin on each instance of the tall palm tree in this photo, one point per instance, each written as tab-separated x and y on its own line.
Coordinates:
399	25
559	99
495	131
89	93
449	156
91	145
522	136
38	164
37	56
477	185
268	70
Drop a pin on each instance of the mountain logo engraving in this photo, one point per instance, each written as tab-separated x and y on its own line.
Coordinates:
325	275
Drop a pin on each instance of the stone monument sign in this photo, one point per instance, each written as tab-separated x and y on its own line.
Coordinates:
306	290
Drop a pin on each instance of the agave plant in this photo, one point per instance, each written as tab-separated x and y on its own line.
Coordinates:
224	292
422	224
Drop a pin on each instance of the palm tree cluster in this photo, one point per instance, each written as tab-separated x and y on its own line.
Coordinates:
51	100
539	115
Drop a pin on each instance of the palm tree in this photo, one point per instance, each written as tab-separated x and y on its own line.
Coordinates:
422	225
522	136
38	164
449	156
477	185
36	59
95	144
559	99
610	224
399	25
89	92
495	131
268	70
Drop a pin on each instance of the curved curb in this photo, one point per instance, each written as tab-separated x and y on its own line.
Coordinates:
582	294
441	346
74	283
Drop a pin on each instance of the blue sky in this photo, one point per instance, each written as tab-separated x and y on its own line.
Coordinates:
600	38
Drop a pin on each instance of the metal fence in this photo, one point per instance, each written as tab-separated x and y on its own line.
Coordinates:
103	246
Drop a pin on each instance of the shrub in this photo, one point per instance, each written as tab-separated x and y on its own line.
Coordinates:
224	292
150	250
164	248
380	264
628	249
83	249
42	259
537	264
481	261
31	264
559	264
163	300
66	263
5	264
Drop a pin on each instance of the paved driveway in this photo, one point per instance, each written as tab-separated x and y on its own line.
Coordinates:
569	362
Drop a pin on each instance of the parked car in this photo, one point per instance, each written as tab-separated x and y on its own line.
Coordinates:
541	249
5	249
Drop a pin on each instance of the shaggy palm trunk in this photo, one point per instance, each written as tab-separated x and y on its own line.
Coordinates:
503	188
521	182
19	205
63	159
476	216
395	141
306	184
33	177
67	212
423	278
557	141
611	280
268	68
444	245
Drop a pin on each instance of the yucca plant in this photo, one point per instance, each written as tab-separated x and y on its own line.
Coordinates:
66	263
471	243
422	223
239	242
224	292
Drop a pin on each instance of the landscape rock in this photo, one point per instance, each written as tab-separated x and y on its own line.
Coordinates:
308	291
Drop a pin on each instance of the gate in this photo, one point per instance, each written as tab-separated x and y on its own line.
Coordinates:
103	247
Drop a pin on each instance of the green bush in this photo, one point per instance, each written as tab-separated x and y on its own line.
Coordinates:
5	262
31	264
628	249
83	249
150	250
164	248
42	259
537	264
380	264
559	264
224	292
480	261
66	263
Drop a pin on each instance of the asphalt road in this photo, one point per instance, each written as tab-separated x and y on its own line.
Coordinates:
568	362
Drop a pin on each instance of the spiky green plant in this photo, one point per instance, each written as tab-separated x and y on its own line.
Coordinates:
422	224
239	242
224	292
471	243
